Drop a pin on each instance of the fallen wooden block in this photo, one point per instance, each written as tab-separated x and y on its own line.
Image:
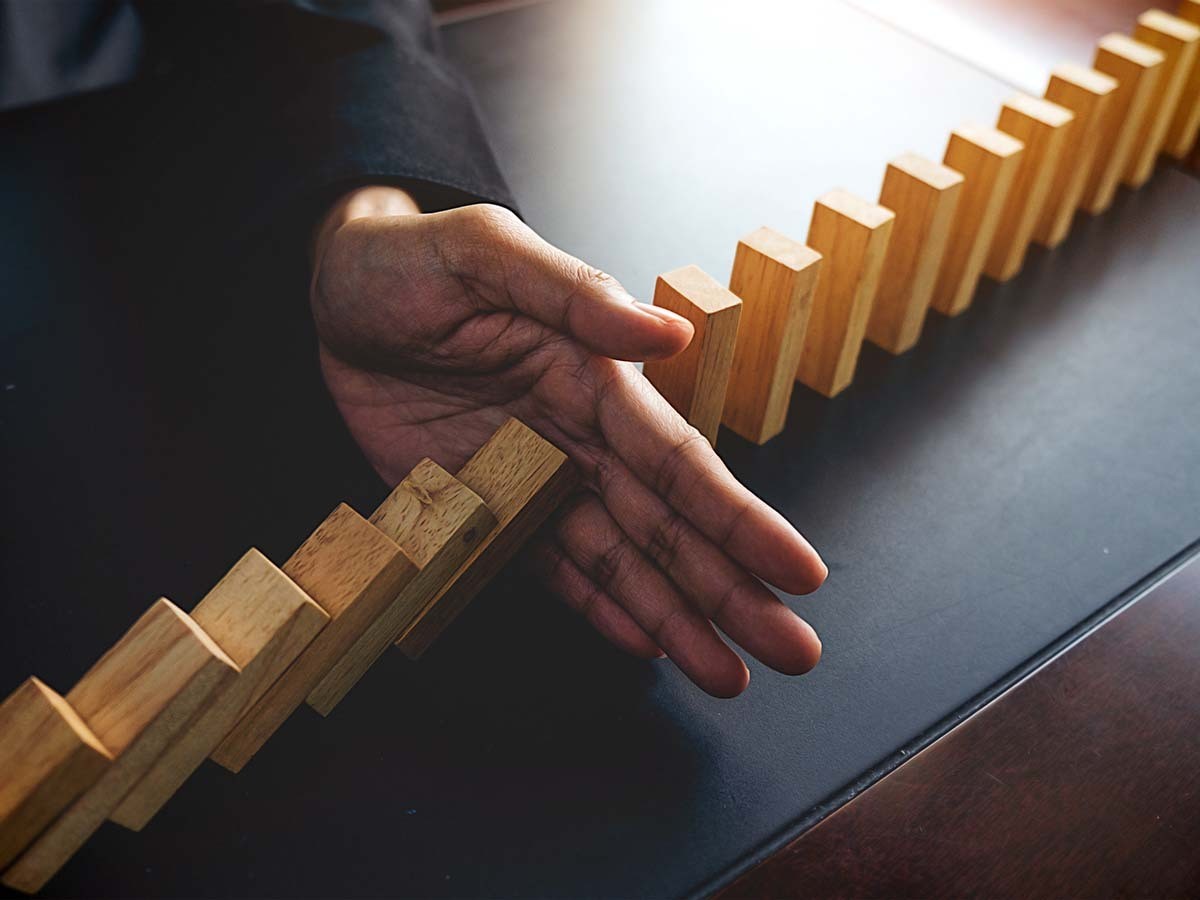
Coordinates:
438	522
694	381
1174	113
48	757
924	196
262	620
135	700
988	160
774	276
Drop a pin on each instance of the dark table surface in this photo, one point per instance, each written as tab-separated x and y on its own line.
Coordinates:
976	499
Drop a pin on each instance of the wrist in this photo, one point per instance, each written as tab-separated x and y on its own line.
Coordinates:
369	201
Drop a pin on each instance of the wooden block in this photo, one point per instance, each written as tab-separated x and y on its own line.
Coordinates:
353	571
135	700
1137	69
438	522
1183	133
1043	127
852	234
262	620
48	757
988	160
695	381
924	196
522	478
1088	94
1174	115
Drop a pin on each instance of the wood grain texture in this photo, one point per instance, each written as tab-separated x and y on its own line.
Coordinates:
48	757
1167	121
694	382
1087	93
522	478
135	700
353	571
262	620
1185	127
924	196
774	276
988	160
438	522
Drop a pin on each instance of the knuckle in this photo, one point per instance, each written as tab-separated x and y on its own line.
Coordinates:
668	475
666	538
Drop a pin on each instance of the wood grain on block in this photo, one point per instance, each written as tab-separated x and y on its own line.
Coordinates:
988	160
1174	115
48	757
353	571
1137	69
924	196
135	700
1043	127
694	381
522	478
438	522
1087	93
262	620
774	276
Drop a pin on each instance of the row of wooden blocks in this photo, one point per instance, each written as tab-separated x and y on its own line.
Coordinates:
180	688
800	312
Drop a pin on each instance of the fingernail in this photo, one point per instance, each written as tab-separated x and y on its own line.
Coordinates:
662	315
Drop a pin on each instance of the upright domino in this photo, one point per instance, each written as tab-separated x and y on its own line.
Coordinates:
1185	127
1174	112
924	196
852	235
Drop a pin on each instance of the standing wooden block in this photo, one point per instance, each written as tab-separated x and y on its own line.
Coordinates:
522	478
1174	114
258	616
353	571
695	381
1137	69
774	277
1182	135
852	234
135	700
1043	127
924	196
438	522
988	160
48	757
1087	93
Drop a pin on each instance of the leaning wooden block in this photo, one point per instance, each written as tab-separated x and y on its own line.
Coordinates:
695	381
48	757
852	234
135	700
262	620
1185	127
438	522
353	571
1174	114
924	196
522	478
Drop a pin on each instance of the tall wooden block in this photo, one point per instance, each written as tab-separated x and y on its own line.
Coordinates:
1137	69
1175	108
1185	127
852	234
1043	127
924	196
48	757
522	478
695	381
262	620
774	277
988	160
135	700
439	523
353	571
1087	93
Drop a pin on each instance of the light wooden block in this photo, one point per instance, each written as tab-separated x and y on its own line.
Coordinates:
1088	94
1174	114
439	523
353	571
988	160
262	620
1137	69
48	757
774	276
522	478
694	381
852	234
924	196
135	700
